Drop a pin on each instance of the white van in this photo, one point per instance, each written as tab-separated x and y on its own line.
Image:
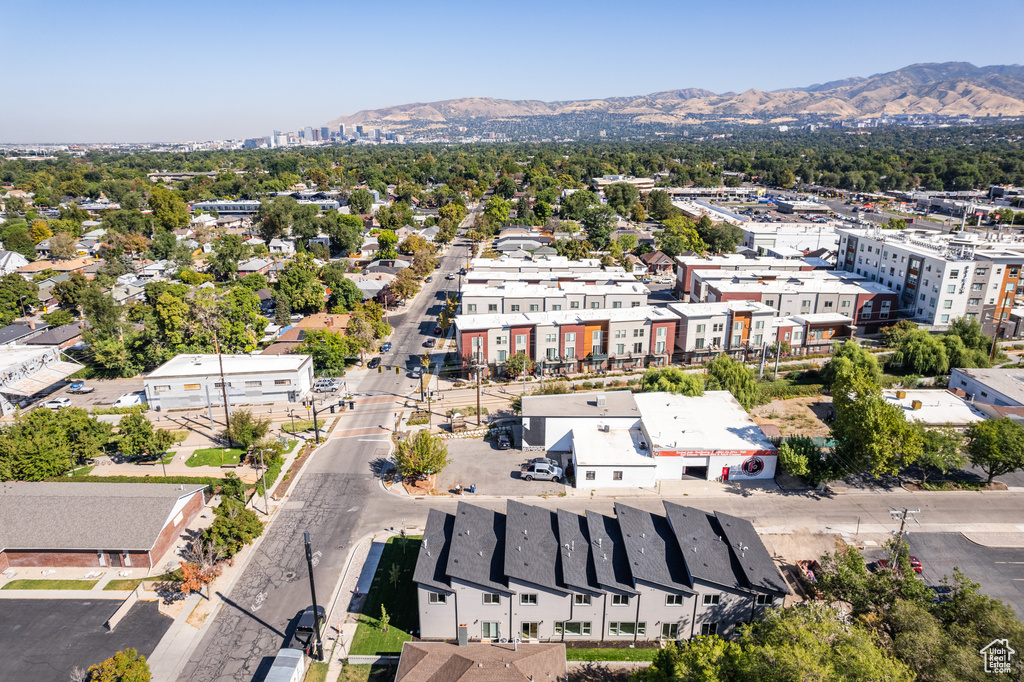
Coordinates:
130	400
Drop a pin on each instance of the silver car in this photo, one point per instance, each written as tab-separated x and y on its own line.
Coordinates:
542	471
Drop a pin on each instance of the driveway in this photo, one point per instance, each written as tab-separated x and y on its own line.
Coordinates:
44	639
493	471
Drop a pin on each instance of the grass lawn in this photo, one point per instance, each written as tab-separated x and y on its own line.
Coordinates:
400	602
128	584
300	425
365	673
214	457
29	584
125	585
624	654
317	672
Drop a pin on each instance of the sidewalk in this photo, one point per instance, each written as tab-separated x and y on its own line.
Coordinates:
177	643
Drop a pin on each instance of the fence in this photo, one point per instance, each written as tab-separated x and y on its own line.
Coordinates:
124	608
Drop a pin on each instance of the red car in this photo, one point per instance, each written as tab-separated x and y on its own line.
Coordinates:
437	330
915	564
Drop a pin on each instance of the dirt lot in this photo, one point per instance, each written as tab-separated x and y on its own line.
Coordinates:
789	548
796	416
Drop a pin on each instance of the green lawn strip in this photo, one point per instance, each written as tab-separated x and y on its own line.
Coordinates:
214	457
30	584
300	425
366	673
213	481
400	602
128	584
317	672
624	654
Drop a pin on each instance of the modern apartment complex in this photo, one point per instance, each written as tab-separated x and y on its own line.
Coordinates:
941	276
541	575
516	297
687	267
566	341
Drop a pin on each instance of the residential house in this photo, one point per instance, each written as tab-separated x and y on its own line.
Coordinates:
255	265
281	247
657	263
61	337
480	662
128	293
10	261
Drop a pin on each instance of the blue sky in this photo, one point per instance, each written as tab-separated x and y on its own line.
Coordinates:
144	71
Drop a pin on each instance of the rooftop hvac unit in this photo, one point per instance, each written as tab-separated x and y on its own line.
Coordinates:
900	395
601	401
916	405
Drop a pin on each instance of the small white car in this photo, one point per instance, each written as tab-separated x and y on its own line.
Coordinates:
57	403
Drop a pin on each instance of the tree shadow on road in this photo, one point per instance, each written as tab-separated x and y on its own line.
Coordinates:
265	624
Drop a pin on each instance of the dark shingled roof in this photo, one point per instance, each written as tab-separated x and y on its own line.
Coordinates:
478	547
755	562
531	546
704	548
577	559
652	549
433	558
57	335
610	561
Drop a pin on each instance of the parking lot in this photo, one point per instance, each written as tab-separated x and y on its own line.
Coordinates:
493	471
105	392
44	639
1000	571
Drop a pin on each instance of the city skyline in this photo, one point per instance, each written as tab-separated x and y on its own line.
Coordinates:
198	72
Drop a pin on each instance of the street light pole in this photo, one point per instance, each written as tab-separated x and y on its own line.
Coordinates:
318	646
263	475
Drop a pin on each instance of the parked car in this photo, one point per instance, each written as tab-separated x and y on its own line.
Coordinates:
429	279
326	385
437	329
915	565
416	372
57	403
386	347
79	388
541	472
302	638
449	276
504	442
374	363
430	343
130	400
544	460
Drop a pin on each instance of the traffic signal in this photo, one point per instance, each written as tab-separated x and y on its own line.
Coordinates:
398	370
380	369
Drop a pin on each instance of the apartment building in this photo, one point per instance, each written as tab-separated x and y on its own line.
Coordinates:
942	276
707	329
869	305
687	267
516	297
610	275
534	265
540	575
567	341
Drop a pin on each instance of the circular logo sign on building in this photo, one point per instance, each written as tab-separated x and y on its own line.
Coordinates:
753	466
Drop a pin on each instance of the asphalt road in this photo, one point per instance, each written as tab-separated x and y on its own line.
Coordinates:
43	639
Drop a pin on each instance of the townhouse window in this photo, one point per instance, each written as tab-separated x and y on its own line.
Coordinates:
572	628
620	348
638	347
981	271
639	332
501	340
591	475
787	337
710	599
616	475
551	338
620	333
529	599
805	304
770	302
717	327
716	340
828	304
1010	286
552	353
574	304
844	304
673	600
570	337
489	630
626	628
636	304
759	324
492	307
947	305
659	347
437	598
951	289
529	630
737	326
953	274
616	304
620	600
520	340
581	599
798	336
737	340
698	343
595	304
757	339
491	598
661	332
670	630
556	307
931	302
944	319
513	308
764	600
502	355
570	352
471	307
700	328
534	308
708	629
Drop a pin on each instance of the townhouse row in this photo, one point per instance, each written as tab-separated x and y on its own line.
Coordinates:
538	575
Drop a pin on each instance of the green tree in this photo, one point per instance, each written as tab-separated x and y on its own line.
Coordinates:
726	374
241	325
70	291
360	201
922	353
345	231
969	331
282	312
519	364
573	249
661	207
893	334
996	446
228	251
621	196
135	434
246	429
497	210
233	528
940	449
124	666
16	295
598	225
420	455
505	188
172	316
275	217
405	284
298	283
330	351
254	281
850	356
63	246
576	205
169	208
679	236
44	443
39	231
793	460
672	380
387	239
59	317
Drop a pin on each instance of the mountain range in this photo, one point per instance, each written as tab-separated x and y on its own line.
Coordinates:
950	88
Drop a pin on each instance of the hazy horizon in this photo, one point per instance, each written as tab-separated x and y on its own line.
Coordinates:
129	72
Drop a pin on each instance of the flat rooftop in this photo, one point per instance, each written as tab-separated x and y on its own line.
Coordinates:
517	289
820	286
16	354
824	318
552	276
1009	382
719	308
617	404
713	421
491	321
615	447
938	407
190	365
539	263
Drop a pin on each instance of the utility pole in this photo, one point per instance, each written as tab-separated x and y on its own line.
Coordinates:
318	646
266	504
902	515
223	388
478	366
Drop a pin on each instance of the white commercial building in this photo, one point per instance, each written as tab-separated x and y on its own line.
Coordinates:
195	380
935	407
28	370
1003	387
802	237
